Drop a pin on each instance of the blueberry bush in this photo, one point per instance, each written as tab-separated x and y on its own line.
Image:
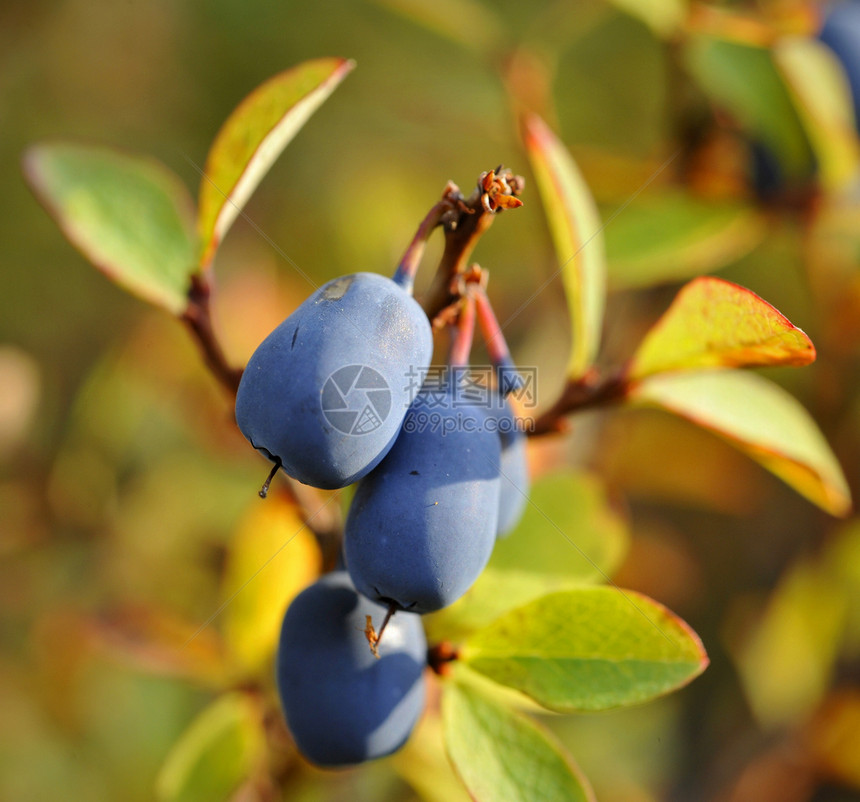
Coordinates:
463	550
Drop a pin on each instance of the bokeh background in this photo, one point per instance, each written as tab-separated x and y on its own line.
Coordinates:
128	509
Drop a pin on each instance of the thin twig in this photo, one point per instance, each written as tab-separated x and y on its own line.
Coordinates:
496	190
590	391
198	317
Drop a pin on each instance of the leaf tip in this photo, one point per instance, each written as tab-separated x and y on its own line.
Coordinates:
346	65
534	129
32	164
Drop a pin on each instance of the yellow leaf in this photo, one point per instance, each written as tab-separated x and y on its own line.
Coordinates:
273	556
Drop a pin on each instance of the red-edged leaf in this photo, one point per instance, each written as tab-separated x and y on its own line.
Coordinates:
252	138
714	323
577	234
761	419
589	648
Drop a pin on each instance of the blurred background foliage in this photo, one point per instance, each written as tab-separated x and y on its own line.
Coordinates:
139	573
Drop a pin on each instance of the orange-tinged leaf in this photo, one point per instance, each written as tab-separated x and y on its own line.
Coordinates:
761	419
714	323
272	557
252	138
577	234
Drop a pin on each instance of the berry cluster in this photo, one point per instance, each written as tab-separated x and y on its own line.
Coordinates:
326	398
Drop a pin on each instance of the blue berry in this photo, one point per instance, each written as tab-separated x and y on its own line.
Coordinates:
422	524
343	705
325	393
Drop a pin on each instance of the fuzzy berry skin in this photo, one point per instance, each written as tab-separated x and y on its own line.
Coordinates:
422	524
343	705
326	392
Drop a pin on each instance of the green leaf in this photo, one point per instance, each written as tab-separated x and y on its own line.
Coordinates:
588	649
568	529
219	750
272	557
253	136
577	234
742	78
820	91
672	235
714	323
496	591
504	756
129	215
761	419
569	535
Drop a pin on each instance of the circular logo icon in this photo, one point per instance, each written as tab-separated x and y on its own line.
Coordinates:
356	399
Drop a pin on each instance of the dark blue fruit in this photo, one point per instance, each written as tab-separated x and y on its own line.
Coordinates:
326	392
841	33
422	524
514	473
342	704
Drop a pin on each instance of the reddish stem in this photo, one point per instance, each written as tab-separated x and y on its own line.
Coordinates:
198	317
586	393
497	190
408	267
464	334
507	377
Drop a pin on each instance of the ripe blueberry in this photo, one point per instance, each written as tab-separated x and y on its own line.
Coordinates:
325	393
343	705
422	524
